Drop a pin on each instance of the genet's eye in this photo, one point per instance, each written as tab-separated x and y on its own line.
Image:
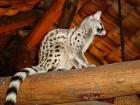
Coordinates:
101	24
99	30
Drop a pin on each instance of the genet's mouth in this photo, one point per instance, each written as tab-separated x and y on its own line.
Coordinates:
101	35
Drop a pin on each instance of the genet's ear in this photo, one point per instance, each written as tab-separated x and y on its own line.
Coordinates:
97	15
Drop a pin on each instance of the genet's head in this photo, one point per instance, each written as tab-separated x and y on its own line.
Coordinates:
94	23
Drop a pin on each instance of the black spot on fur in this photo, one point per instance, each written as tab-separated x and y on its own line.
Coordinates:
34	68
51	69
50	55
48	60
51	45
58	55
9	102
79	34
43	47
57	50
75	38
51	34
63	37
46	54
57	46
55	60
12	90
42	53
14	78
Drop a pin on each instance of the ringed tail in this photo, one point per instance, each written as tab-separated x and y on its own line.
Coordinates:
14	84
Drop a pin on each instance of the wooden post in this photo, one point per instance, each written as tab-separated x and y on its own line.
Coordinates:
95	83
68	12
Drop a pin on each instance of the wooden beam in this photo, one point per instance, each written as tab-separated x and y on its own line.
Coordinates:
68	12
45	24
24	20
134	2
9	8
78	85
135	39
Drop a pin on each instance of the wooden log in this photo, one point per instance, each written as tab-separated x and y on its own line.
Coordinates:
86	103
127	100
71	86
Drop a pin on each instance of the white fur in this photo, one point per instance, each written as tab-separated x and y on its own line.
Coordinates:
86	46
97	15
14	84
91	17
11	96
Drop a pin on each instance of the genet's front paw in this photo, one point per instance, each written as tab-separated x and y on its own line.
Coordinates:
79	66
92	65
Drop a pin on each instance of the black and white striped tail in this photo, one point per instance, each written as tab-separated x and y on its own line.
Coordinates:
15	84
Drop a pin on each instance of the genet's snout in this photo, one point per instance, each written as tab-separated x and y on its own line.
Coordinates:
103	32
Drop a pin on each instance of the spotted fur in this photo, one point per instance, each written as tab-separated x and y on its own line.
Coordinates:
61	49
